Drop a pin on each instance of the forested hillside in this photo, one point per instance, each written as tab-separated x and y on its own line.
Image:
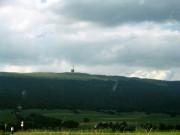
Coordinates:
83	91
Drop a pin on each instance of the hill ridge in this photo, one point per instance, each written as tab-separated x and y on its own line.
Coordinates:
85	91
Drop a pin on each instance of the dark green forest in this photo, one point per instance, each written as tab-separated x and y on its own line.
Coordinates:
87	92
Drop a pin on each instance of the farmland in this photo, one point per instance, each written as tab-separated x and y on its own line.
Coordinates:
93	133
131	118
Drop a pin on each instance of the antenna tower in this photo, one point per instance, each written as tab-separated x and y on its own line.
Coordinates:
72	70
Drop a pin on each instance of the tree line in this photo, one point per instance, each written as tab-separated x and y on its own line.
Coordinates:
37	121
147	127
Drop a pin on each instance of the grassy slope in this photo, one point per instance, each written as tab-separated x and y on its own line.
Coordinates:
49	75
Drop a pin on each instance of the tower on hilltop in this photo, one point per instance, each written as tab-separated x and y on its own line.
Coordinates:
72	70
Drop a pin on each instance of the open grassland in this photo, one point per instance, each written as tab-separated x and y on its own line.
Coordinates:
93	133
95	117
132	118
7	116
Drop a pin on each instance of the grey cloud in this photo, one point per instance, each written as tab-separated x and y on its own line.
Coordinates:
50	39
150	54
17	49
3	2
116	12
144	51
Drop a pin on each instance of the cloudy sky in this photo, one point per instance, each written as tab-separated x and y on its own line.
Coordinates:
134	38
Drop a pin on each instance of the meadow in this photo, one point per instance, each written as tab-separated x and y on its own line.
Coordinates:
131	118
92	133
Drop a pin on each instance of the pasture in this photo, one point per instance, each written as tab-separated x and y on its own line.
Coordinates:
93	133
104	116
131	118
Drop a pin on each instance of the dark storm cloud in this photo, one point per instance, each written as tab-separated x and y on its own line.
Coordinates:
114	12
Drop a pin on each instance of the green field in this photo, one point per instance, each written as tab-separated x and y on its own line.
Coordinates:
7	116
93	133
131	118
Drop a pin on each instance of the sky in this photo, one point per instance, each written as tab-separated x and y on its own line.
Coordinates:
133	38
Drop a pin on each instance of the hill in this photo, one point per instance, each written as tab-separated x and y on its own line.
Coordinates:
84	91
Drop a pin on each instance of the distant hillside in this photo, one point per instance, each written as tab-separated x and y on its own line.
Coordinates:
84	91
